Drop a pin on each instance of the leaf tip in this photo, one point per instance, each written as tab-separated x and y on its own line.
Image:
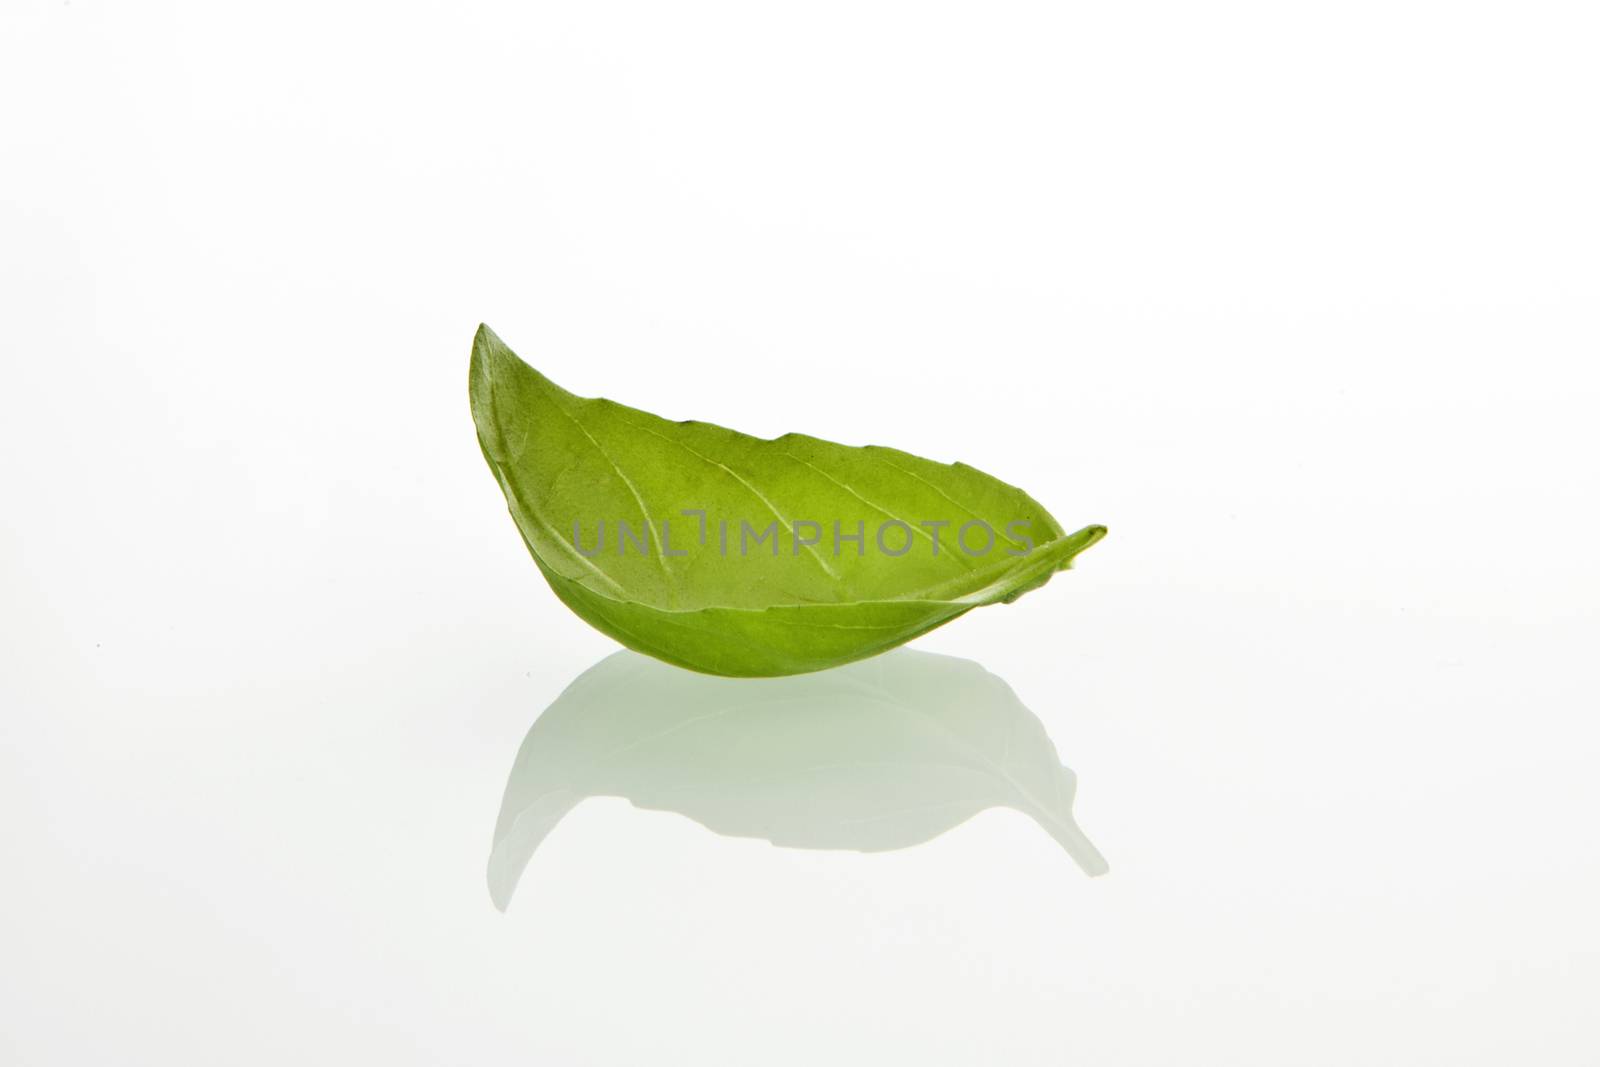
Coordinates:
486	344
478	375
1082	541
491	358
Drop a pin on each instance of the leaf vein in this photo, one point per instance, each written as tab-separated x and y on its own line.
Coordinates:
829	571
917	527
649	523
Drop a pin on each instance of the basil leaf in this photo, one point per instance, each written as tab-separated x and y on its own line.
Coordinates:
870	757
734	555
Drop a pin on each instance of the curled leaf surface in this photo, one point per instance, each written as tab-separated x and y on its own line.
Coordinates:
736	555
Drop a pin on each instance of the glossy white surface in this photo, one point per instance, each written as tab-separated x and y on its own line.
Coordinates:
1300	303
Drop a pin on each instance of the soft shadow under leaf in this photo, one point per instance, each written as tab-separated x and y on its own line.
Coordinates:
873	756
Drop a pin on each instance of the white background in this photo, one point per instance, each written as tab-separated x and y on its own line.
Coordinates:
1298	299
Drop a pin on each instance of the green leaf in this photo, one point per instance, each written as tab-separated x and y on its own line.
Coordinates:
870	757
714	595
